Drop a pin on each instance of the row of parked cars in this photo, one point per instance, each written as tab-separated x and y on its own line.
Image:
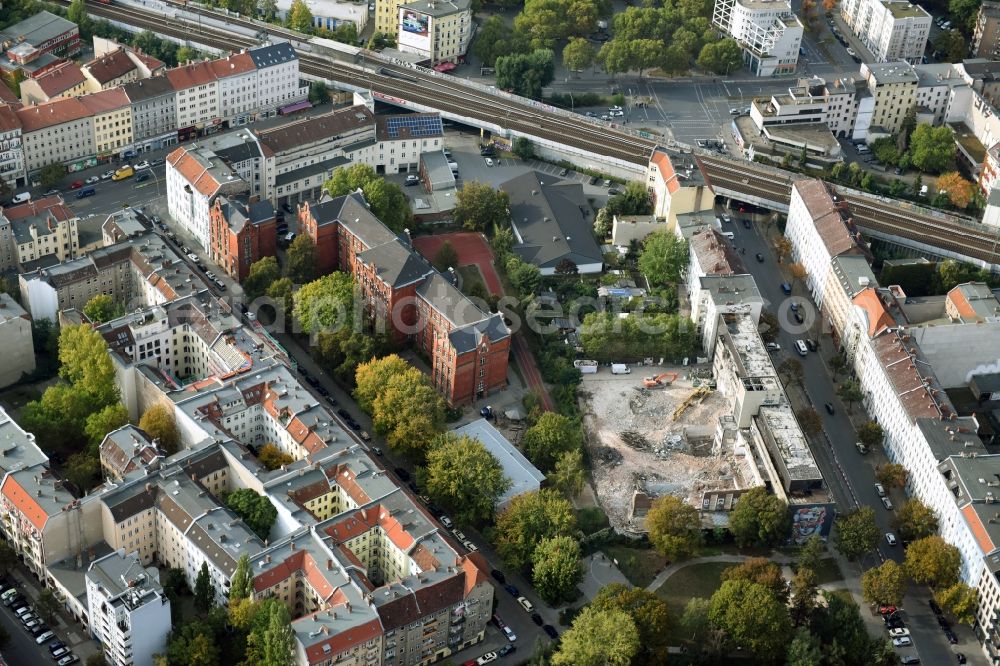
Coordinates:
900	635
33	624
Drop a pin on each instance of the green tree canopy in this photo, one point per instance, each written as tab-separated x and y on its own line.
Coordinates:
857	532
464	477
760	518
525	277
255	510
326	304
300	260
804	650
404	406
578	54
158	422
100	423
598	638
527	520
870	434
50	175
493	39
647	610
446	257
885	584
387	201
959	601
569	475
271	457
263	273
933	561
752	617
674	528
525	73
102	308
242	583
762	571
85	363
479	207
607	337
722	57
556	569
891	475
551	436
932	149
915	520
299	17
204	590
664	256
372	378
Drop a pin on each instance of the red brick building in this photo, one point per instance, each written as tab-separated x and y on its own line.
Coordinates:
240	233
467	348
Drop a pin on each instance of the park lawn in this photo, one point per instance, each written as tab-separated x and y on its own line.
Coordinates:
639	565
696	580
591	519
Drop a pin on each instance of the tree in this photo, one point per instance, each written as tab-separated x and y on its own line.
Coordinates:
267	9
263	273
409	412
102	308
615	56
891	475
81	470
698	629
386	200
108	419
325	305
809	421
446	257
768	327
318	92
278	643
762	571
204	590
857	532
675	60
664	256
465	478
86	364
870	433
960	191
372	377
525	277
933	561
280	292
187	54
951	45
674	528
300	260
241	586
647	610
760	518
915	520
271	457
523	148
578	54
556	569
792	369
97	659
804	650
884	585
803	602
551	436
525	73
255	510
479	207
299	17
812	552
77	13
960	601
569	475
47	605
721	57
932	149
798	270
527	520
850	392
751	616
158	422
598	638
492	40
782	248
50	175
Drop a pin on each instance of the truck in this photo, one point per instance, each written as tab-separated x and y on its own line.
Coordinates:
123	173
585	366
620	369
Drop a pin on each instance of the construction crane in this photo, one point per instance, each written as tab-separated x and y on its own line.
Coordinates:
666	379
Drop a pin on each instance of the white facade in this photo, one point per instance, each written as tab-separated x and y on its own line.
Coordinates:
129	614
277	77
11	151
195	177
891	29
15	341
768	30
237	88
198	105
61	142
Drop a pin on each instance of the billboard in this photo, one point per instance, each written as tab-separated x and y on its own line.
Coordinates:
414	30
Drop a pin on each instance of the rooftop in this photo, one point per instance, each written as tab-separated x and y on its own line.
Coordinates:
911	377
202	169
796	457
885	73
523	475
328	126
60	78
731	289
715	256
439	8
51	113
743	340
271	55
110	66
854	273
826	216
17	446
39	28
145	89
396	263
975	301
409	126
904	9
122	578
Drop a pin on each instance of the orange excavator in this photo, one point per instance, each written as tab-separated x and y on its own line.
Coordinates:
666	379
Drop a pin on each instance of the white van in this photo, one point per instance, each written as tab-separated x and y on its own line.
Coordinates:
620	369
800	345
729	234
862	149
21	197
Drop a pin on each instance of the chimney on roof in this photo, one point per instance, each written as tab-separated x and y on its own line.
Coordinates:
267	559
293	545
329	564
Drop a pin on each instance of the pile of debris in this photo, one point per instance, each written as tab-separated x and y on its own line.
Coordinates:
634	439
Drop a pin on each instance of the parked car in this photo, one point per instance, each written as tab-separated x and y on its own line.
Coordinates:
902	642
760	258
887	503
446	521
487	658
525	604
897	633
537	619
498	576
93	179
509	633
142	165
551	631
76	184
772	346
909	659
890	538
56	645
377	451
47	636
143	177
511	590
61	652
489	161
508	649
934	607
829	408
880	490
365	437
952	638
68	659
961	657
412	180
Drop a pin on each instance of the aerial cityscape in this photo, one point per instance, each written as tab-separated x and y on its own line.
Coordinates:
548	332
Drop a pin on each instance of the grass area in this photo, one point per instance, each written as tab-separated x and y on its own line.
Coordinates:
828	571
697	580
470	277
591	519
639	565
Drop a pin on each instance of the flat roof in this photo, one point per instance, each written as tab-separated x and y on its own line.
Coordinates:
524	476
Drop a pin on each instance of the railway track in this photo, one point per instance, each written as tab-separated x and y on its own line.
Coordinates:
453	95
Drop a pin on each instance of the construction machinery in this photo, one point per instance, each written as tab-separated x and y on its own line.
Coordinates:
665	379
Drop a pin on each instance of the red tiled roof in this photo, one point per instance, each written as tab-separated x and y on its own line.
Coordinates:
826	216
978	530
905	377
7	96
232	65
24	502
344	477
193	171
189	76
8	118
279	571
475	566
110	66
879	318
59	79
53	205
151	63
666	169
106	100
343	641
49	114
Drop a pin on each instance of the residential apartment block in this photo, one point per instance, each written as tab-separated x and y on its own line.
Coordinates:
64	80
112	116
986	36
439	32
58	131
810	102
153	104
16	341
892	30
39	41
195	177
38	233
278	83
241	233
405	296
894	88
117	66
768	31
128	610
676	185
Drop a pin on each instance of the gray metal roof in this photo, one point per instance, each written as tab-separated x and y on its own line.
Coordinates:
273	54
396	263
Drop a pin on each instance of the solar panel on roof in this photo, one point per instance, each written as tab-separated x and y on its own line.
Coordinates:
418	126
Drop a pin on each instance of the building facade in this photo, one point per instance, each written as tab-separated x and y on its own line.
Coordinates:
44	231
60	131
768	31
11	149
241	233
154	113
195	177
111	112
892	30
15	340
986	36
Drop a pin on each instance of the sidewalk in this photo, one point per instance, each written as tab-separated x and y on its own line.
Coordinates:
65	627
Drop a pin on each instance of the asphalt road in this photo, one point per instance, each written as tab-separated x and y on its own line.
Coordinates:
22	648
848	474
